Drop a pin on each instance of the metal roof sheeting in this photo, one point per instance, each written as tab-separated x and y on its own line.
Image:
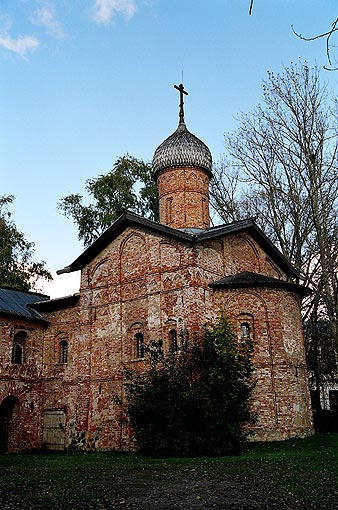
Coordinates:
18	303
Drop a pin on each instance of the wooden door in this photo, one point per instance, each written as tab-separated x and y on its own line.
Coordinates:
54	429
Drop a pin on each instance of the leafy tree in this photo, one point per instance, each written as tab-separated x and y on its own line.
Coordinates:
195	401
282	166
129	185
17	269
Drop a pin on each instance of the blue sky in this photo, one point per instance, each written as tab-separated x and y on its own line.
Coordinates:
83	82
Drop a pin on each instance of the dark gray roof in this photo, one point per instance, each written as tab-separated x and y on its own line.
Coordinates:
18	303
129	219
248	279
182	148
59	303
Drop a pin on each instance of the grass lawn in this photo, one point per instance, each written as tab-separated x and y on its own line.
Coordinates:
295	474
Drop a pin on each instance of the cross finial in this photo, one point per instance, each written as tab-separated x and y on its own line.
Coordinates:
180	87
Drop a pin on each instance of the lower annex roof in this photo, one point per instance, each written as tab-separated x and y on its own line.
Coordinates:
19	303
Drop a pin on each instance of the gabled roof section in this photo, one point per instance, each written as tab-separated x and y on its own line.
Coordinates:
129	219
252	280
249	225
19	304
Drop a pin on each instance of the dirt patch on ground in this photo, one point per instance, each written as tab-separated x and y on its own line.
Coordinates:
139	490
201	494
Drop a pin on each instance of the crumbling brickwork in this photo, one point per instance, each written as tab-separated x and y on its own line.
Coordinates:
152	284
21	386
142	281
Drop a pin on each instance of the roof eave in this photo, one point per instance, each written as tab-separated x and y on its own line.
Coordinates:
37	317
295	287
56	303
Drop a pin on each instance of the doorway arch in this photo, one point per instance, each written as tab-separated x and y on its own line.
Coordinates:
8	408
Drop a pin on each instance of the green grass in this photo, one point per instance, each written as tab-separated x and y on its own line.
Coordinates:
302	472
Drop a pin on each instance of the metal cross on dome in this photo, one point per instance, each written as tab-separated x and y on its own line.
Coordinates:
180	88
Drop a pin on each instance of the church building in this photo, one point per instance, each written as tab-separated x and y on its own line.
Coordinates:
61	382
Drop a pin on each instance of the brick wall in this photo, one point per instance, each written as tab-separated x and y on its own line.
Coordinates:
20	383
184	197
145	283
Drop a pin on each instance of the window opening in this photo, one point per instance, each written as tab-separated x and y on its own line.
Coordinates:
333	399
204	210
17	353
63	351
245	331
169	209
18	347
139	345
173	340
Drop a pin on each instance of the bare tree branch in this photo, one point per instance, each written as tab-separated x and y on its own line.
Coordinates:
251	6
327	35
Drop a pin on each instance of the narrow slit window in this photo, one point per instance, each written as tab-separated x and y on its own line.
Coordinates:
204	210
173	340
63	351
169	209
139	345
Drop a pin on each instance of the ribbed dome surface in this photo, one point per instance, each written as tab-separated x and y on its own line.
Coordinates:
182	148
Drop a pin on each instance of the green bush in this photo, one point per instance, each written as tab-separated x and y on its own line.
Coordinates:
193	401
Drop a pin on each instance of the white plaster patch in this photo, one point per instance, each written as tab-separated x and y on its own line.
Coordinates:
289	345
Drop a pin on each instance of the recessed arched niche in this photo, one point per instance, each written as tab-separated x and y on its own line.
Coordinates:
133	260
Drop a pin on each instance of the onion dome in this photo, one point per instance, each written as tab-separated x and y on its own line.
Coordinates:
180	149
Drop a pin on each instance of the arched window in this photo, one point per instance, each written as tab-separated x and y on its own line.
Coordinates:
245	331
61	348
17	353
173	346
18	348
245	327
63	351
139	345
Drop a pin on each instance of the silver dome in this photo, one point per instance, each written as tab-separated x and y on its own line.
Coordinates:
182	148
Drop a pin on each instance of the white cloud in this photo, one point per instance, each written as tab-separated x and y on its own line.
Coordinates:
20	45
47	18
104	10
